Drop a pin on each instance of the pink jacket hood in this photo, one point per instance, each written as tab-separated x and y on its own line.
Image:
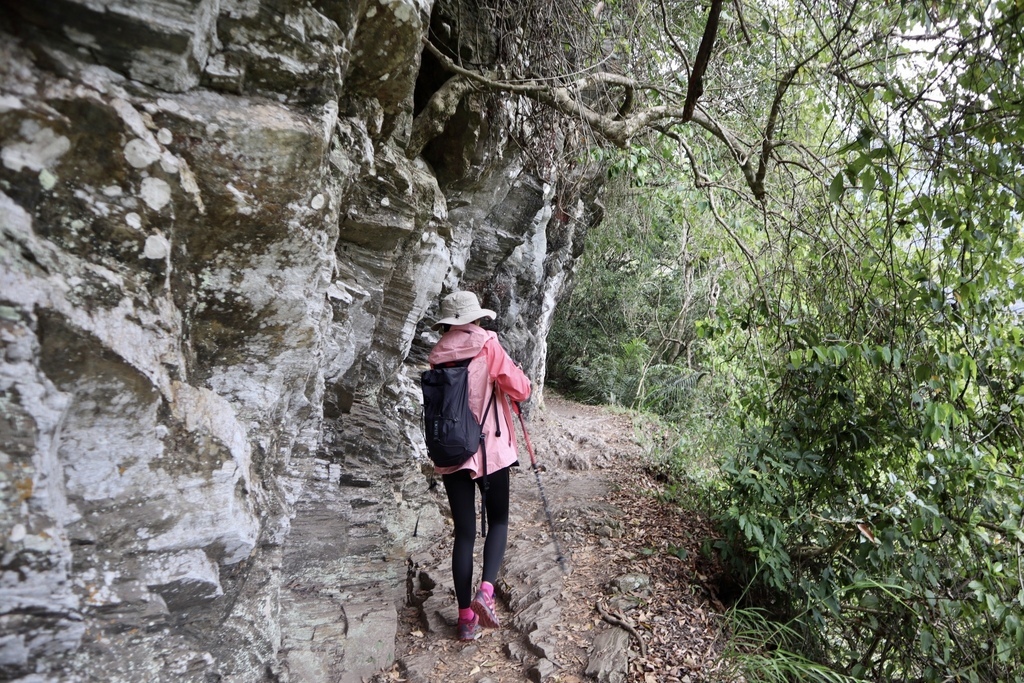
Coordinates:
460	342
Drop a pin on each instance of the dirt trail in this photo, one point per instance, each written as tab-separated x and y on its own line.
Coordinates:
636	578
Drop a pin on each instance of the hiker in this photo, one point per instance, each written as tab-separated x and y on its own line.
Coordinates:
490	368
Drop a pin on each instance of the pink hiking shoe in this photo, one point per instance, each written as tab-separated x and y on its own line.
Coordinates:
470	629
483	606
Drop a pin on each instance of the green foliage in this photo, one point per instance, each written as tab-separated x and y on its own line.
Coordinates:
877	498
629	379
627	336
885	446
848	340
761	650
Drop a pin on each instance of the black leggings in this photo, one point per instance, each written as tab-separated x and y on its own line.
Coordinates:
461	490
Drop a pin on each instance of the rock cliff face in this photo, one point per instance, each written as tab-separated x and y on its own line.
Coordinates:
216	260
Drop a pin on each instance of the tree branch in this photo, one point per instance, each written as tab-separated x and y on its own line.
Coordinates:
566	99
672	38
743	24
695	88
431	121
767	143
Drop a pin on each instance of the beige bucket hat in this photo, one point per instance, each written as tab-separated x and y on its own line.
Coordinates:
459	308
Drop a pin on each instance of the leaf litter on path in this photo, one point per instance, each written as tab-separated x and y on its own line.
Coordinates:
612	524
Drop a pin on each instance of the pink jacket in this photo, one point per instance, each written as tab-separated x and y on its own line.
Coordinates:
490	365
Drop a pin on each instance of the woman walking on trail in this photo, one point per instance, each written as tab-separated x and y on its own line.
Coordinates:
488	469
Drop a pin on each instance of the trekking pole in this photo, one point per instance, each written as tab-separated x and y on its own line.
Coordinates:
543	498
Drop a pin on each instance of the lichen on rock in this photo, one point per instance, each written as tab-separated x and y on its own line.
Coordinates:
219	256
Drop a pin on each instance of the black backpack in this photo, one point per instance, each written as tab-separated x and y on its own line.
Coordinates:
452	433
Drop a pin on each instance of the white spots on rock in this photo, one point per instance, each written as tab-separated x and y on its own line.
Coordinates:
81	38
77	224
384	201
112	191
139	153
337	292
212	129
97	588
133	220
168	105
402	10
41	149
17	533
155	192
318	202
157	248
98	208
295	26
169	163
224	73
9	103
132	118
189	184
47	179
241	200
43	542
371	13
145	149
384	77
102	80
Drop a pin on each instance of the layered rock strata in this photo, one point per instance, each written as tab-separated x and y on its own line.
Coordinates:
216	260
